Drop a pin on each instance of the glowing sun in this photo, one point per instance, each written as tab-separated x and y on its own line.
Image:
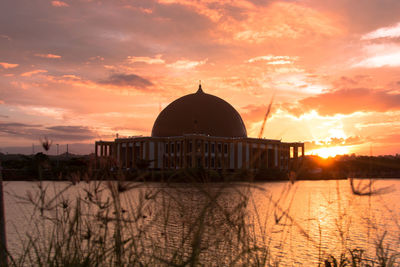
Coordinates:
326	152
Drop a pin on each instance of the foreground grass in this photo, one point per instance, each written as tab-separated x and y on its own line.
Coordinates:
120	223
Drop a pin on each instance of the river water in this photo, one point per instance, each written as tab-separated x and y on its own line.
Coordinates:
299	224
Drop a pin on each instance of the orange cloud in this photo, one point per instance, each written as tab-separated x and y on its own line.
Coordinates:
186	64
347	101
274	60
385	32
34	72
8	38
253	113
59	4
48	55
283	20
333	142
149	60
380	55
8	65
388	139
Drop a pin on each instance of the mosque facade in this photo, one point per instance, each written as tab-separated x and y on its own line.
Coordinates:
199	130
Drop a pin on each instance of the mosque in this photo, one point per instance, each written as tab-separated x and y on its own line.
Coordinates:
199	130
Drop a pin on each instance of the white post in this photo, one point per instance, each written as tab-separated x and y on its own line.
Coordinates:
3	240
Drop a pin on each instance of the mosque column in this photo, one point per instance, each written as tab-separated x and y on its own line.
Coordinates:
118	153
126	154
141	150
229	155
184	150
203	160
96	159
244	154
235	155
302	150
209	154
114	150
175	155
172	155
251	156
181	153
222	155
279	155
133	155
147	152
224	159
258	155
295	151
193	152
266	155
155	154
168	161
272	156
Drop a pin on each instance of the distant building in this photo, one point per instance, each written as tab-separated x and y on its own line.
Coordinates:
199	130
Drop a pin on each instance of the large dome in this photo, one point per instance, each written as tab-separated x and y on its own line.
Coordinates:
199	113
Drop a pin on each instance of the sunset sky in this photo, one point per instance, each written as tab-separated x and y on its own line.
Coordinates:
78	71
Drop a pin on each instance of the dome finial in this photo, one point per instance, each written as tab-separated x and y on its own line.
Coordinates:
200	90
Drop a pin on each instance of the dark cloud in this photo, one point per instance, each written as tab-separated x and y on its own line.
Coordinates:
16	124
347	101
346	82
56	133
74	148
229	11
69	129
130	80
15	128
267	2
366	16
86	29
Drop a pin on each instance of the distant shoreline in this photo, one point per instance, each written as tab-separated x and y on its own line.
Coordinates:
68	167
157	177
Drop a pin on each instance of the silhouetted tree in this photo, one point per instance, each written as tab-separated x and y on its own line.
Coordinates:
46	143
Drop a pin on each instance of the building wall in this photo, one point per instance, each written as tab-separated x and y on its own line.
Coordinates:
199	150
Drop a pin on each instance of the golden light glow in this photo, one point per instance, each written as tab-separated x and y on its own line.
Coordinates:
334	77
326	152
